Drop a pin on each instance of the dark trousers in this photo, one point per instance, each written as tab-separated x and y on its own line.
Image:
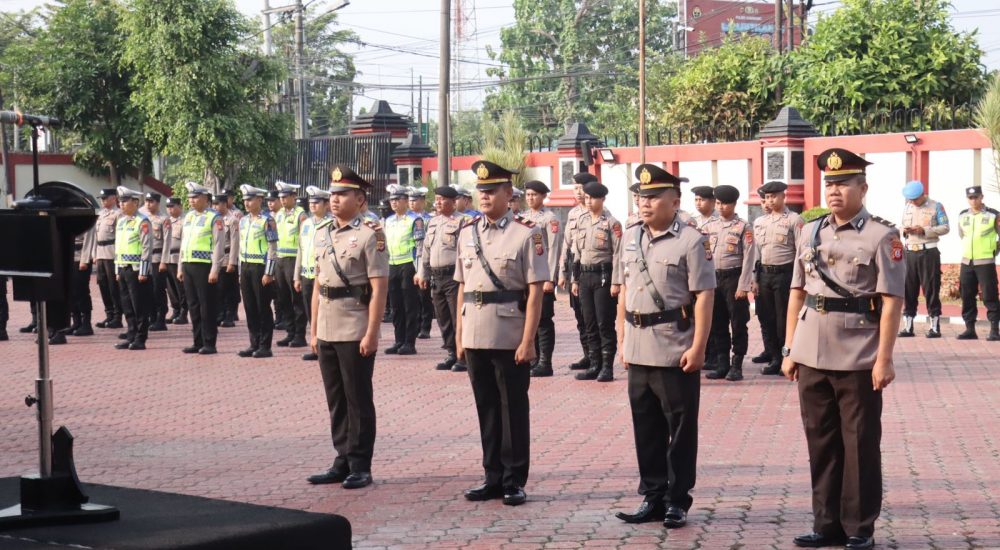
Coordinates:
426	309
202	302
257	305
501	391
772	301
664	402
159	310
581	325
545	336
842	416
137	301
971	280
729	314
347	380
229	284
599	309
405	299
79	290
289	303
307	294
444	293
4	306
923	271
175	289
106	282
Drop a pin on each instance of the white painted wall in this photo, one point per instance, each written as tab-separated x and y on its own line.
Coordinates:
886	178
70	173
617	178
737	174
950	173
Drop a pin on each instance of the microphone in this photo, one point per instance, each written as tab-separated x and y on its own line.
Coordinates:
20	119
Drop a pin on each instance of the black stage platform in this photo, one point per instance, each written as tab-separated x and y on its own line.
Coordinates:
151	519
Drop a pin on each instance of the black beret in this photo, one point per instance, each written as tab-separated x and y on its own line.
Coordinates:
173	201
153	197
727	194
703	191
595	189
446	191
583	178
108	192
537	187
772	187
272	195
220	197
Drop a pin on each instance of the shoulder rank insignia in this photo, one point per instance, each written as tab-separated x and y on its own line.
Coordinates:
883	221
374	225
324	223
523	221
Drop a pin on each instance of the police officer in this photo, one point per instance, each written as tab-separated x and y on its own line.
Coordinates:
289	220
104	258
464	202
731	240
846	289
764	318
352	268
774	238
305	261
157	222
515	200
81	304
977	226
704	205
595	240
501	268
924	223
436	269
274	206
133	262
418	203
203	244
664	318
258	252
404	233
229	278
567	261
171	259
546	220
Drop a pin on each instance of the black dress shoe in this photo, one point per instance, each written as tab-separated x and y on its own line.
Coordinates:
3	335
123	336
357	480
424	335
310	357
582	364
283	343
446	364
122	345
649	510
514	496
774	369
137	346
393	349
606	375
207	350
675	517
263	353
298	343
484	492
540	371
158	327
99	324
191	349
332	475
859	543
114	324
817	540
246	352
459	367
763	357
57	339
227	324
407	349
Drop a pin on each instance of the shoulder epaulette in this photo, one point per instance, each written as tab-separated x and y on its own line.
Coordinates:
883	221
633	223
324	223
963	212
475	219
523	221
373	225
991	210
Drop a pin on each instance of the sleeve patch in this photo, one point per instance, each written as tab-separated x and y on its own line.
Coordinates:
748	236
897	250
554	225
218	223
539	247
380	241
617	228
708	249
144	227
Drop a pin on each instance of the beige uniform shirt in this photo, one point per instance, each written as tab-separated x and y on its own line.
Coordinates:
157	224
172	240
679	264
596	240
700	221
775	236
360	250
566	256
232	248
865	256
930	216
440	245
732	247
83	247
104	243
515	250
548	222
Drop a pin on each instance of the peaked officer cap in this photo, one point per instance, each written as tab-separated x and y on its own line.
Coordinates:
173	201
974	191
342	178
396	191
195	189
417	192
286	189
840	164
108	192
316	194
126	193
654	180
153	197
251	192
489	175
517	193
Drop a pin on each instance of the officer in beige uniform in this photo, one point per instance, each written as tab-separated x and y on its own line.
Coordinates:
436	269
229	277
664	317
352	274
545	341
924	223
731	239
171	259
704	205
774	237
104	259
80	303
157	221
501	268
566	261
845	304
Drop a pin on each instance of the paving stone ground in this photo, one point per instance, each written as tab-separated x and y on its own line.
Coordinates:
252	430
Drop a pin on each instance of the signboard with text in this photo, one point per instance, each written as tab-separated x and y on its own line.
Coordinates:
711	20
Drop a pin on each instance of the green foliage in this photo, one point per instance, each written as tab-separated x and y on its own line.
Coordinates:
884	54
814	213
203	92
466	126
505	143
592	43
988	118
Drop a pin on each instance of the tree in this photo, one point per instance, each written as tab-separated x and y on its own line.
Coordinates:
203	91
988	118
72	70
561	57
884	55
505	143
329	71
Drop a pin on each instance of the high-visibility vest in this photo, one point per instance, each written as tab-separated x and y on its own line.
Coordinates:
401	236
288	231
307	236
255	234
196	237
979	235
128	243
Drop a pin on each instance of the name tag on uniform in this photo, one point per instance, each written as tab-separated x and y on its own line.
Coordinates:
631	246
470	243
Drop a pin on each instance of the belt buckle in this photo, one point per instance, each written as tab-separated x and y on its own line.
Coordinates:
478	294
637	319
915	247
821	303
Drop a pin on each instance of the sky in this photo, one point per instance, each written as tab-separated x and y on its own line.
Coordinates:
413	26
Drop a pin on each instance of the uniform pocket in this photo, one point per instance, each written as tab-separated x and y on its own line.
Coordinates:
861	267
509	310
673	266
858	322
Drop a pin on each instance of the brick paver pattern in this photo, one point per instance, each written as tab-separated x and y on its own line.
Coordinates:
251	430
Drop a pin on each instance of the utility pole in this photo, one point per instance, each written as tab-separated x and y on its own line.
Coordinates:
791	25
267	27
7	172
411	92
778	24
642	81
303	114
444	140
420	109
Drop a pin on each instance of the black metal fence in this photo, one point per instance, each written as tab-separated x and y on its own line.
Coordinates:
312	160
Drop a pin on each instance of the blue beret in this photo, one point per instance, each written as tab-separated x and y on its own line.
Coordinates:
913	190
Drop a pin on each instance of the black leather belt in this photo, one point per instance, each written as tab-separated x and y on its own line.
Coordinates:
592	268
783	268
846	305
446	271
335	292
158	251
728	272
78	246
479	297
105	243
226	251
640	320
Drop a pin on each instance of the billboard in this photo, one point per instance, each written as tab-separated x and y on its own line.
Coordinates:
711	20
